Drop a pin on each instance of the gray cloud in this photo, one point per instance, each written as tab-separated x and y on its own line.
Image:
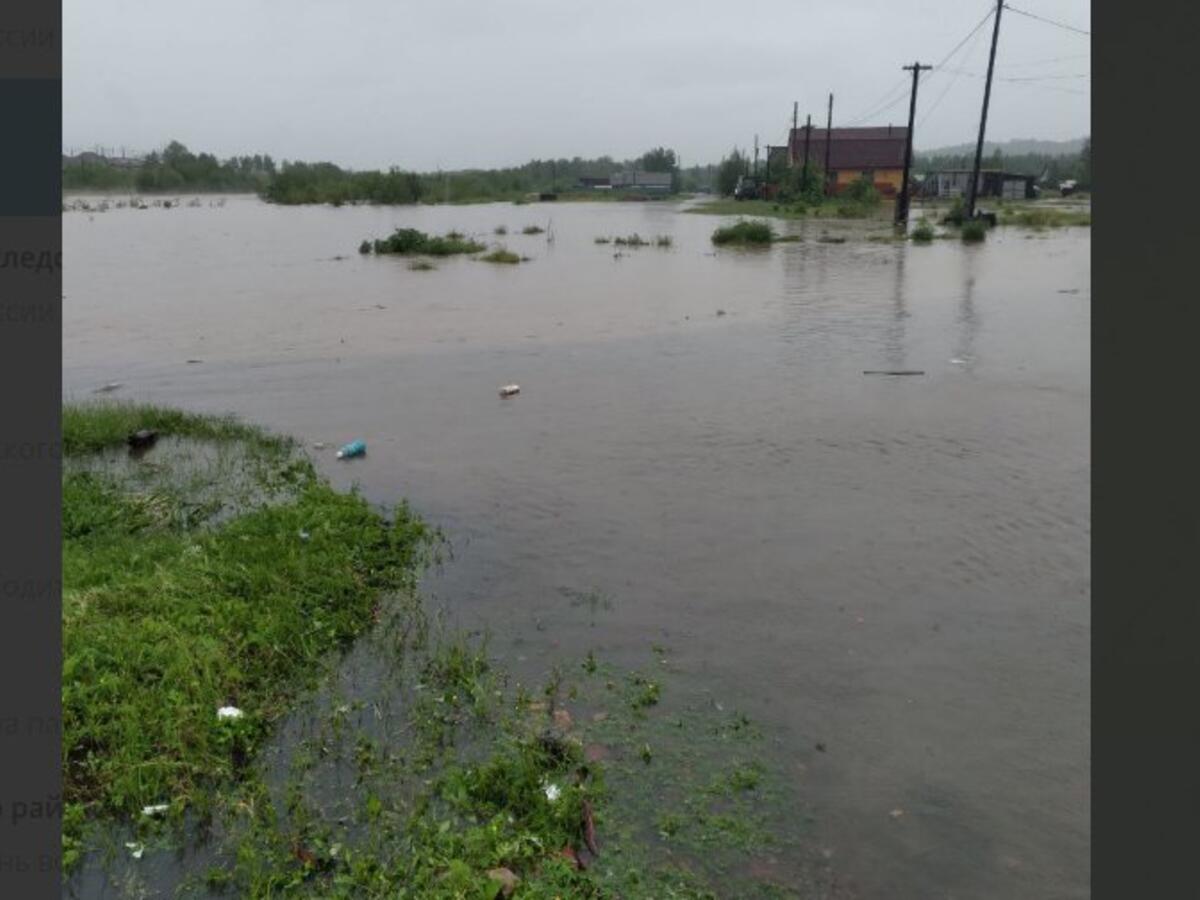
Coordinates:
457	84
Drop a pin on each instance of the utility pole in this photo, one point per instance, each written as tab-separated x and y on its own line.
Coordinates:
987	93
807	137
828	141
756	156
902	204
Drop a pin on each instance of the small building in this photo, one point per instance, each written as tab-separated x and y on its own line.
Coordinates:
588	182
647	182
949	183
875	153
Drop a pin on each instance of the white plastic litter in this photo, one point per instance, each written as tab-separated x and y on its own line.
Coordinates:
509	389
552	792
156	809
229	712
135	849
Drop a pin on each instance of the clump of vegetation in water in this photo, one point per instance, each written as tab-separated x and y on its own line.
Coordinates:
421	265
633	240
745	232
500	229
533	229
973	231
1044	217
501	255
922	232
411	242
663	240
364	247
602	240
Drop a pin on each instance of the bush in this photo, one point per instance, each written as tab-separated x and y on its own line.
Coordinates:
501	255
922	233
411	242
745	233
974	231
364	247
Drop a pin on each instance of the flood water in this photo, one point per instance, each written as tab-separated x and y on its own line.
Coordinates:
895	568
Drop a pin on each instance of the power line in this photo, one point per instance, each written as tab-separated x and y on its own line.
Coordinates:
889	101
955	73
1021	12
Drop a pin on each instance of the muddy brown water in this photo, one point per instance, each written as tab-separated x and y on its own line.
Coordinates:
895	568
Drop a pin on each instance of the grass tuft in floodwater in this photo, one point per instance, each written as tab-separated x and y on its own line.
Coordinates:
411	242
533	229
974	231
744	232
421	265
922	232
500	229
502	255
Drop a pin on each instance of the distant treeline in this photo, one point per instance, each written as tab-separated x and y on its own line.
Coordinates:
1048	169
299	182
175	169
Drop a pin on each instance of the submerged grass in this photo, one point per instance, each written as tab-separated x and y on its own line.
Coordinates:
973	231
599	784
411	242
922	232
745	232
164	622
1044	217
502	255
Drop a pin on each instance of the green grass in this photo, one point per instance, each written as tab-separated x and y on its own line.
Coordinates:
973	232
501	255
89	427
922	232
411	242
745	233
763	208
1044	217
413	785
168	616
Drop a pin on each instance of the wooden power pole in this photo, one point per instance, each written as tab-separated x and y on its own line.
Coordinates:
792	136
987	94
828	141
807	137
902	204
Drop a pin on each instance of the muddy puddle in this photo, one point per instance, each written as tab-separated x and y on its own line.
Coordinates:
889	575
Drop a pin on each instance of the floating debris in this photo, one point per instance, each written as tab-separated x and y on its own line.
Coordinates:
108	388
229	712
893	371
352	449
156	809
136	849
509	390
142	439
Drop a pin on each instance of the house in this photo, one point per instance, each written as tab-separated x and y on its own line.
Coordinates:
648	182
594	184
875	153
992	183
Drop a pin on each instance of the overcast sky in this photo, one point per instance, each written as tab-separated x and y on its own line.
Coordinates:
456	84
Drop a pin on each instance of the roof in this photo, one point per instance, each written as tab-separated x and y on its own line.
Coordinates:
876	147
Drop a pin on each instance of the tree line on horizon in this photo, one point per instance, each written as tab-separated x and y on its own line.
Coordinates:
177	169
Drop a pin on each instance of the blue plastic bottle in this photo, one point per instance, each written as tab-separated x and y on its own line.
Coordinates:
354	448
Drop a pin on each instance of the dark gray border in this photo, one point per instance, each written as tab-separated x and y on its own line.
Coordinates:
30	536
1145	453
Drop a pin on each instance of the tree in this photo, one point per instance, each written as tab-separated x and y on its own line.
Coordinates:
731	168
660	159
1085	165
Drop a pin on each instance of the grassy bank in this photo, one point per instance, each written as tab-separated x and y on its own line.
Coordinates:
836	208
179	601
218	569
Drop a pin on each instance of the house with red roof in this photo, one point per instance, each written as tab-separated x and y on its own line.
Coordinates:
874	153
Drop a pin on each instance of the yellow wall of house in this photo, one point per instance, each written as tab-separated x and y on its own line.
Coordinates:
893	177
